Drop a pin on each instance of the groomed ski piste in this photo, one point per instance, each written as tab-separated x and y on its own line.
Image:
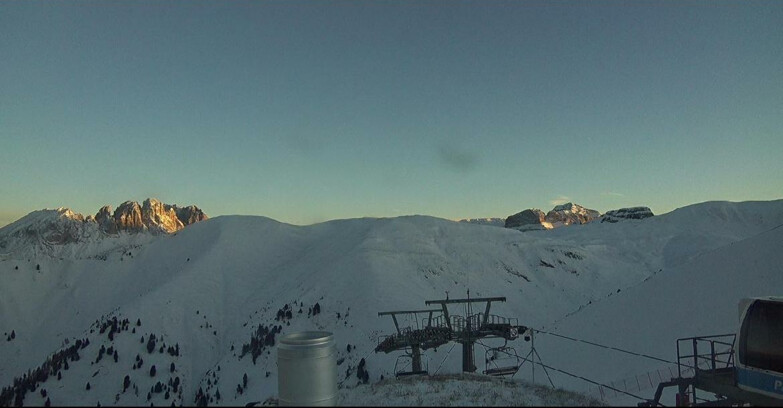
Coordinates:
635	285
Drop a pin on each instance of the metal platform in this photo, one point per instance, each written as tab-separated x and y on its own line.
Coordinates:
712	363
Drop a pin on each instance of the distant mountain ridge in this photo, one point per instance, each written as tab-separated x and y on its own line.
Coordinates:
152	215
50	232
497	222
560	215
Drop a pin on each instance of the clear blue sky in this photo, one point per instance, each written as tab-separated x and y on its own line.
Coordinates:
308	111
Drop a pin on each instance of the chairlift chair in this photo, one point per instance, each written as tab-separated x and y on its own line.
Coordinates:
501	361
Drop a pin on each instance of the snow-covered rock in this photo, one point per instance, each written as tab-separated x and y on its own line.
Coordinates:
561	215
61	233
105	220
528	219
632	213
495	222
42	232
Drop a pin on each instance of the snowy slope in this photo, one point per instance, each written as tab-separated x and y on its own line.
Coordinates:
696	298
61	233
209	287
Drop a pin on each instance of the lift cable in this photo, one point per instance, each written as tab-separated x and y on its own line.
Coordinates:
523	361
590	381
577	376
612	348
444	358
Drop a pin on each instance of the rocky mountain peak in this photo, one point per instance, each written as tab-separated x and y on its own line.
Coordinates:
128	217
161	217
560	215
48	232
533	218
152	215
632	213
105	220
570	213
190	214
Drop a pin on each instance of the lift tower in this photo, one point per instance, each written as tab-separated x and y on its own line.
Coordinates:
440	327
414	338
471	327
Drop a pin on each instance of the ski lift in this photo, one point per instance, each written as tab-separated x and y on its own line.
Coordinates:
501	361
403	366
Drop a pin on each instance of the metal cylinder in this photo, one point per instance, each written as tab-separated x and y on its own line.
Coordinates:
307	369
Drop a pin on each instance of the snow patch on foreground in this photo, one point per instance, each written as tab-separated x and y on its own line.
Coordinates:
459	390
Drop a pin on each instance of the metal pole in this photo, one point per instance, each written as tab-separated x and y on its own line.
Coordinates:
533	349
416	357
679	373
695	368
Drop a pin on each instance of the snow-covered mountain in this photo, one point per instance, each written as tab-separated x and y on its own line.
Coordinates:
212	287
496	222
570	213
632	213
697	296
61	233
561	215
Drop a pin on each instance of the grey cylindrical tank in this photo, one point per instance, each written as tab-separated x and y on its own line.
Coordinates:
307	369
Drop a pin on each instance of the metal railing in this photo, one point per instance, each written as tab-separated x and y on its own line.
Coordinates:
712	352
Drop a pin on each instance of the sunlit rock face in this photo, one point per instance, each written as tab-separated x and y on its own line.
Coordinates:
128	217
561	215
152	215
158	217
63	233
528	219
632	213
569	213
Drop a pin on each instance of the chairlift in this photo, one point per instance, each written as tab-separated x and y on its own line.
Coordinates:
502	361
404	364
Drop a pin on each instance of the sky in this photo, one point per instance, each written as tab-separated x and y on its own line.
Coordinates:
305	111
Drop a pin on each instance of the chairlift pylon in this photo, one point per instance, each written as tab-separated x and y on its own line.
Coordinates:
405	361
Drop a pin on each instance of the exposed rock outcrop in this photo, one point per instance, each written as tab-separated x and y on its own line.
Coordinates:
159	217
128	217
569	213
528	219
105	220
561	215
152	215
190	214
49	232
632	213
495	222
